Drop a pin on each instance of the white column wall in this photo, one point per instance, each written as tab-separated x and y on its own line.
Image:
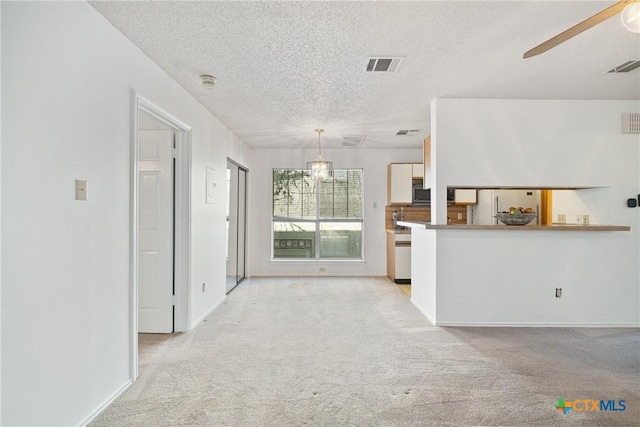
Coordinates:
67	79
373	161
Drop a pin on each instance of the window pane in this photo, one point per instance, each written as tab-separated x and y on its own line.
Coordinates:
300	204
280	193
309	197
294	239
341	196
294	194
354	190
341	240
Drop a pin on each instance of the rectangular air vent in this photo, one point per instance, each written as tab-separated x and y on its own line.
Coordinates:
631	123
388	64
626	67
353	140
408	132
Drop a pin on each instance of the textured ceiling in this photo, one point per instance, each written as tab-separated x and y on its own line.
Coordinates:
286	68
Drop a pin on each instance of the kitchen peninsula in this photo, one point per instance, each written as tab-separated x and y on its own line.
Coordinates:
491	275
534	275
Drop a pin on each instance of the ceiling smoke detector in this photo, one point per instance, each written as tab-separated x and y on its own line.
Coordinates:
208	82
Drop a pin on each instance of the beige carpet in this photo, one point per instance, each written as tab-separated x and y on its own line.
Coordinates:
355	352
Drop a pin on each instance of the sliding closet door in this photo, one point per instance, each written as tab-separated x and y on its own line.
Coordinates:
236	224
242	223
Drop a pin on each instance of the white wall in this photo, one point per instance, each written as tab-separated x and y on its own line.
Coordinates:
573	204
67	80
500	277
373	161
536	143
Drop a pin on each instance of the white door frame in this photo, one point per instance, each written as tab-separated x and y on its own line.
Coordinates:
182	223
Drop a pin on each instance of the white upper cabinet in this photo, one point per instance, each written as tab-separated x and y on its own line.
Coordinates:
418	170
399	183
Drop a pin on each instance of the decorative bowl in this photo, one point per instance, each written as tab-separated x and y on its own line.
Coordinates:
515	218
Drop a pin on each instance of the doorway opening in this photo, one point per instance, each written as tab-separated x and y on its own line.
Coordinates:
160	223
236	224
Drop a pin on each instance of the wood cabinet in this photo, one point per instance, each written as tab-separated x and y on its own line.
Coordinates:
399	257
426	160
399	181
400	178
418	170
465	196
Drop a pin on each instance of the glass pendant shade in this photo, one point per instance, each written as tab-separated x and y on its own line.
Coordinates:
631	17
320	169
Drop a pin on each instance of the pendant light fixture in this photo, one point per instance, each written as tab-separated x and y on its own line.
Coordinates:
320	169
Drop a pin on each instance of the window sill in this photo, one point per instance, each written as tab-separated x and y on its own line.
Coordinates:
316	261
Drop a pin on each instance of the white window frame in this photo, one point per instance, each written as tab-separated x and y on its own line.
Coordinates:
317	221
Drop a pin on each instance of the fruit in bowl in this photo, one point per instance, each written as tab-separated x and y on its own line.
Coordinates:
516	216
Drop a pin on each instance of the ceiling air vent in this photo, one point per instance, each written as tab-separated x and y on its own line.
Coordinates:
631	123
407	132
389	64
626	67
353	140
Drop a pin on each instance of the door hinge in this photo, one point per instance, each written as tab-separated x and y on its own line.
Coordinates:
173	299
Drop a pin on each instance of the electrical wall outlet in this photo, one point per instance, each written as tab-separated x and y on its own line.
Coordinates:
585	219
81	190
322	269
562	219
558	292
578	219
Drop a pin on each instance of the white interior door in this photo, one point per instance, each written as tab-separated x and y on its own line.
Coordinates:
155	232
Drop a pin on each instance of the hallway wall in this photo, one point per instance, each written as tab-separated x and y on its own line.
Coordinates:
68	77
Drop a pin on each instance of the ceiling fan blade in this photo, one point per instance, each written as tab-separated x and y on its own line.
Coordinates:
578	28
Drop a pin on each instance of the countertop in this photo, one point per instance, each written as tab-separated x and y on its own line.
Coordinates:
553	227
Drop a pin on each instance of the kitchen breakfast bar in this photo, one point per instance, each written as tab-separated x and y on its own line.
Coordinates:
541	275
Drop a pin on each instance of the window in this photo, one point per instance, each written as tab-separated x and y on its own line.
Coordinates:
317	219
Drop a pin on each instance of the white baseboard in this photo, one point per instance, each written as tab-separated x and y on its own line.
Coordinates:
208	312
424	312
539	324
525	324
106	403
311	275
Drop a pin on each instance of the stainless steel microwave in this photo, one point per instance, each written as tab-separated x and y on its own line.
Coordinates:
422	196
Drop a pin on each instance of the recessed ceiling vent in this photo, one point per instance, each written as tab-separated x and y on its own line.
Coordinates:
407	132
631	123
626	67
353	140
388	64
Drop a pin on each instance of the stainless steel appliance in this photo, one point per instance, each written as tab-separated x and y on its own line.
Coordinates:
422	196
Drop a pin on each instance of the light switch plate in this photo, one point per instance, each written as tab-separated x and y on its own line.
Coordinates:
81	189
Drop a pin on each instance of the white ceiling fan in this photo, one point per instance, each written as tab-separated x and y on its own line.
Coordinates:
630	19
